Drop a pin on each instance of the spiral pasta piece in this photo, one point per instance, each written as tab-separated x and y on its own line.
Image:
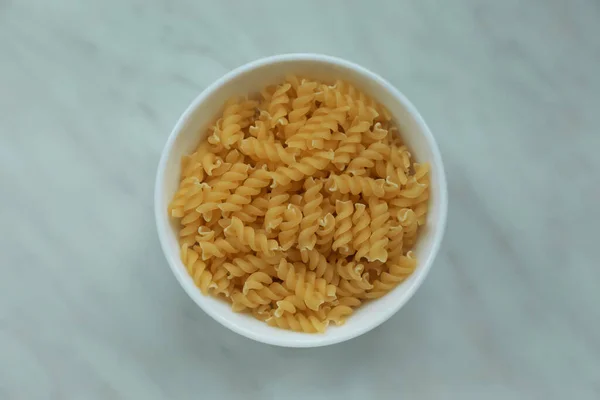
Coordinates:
252	186
376	134
228	129
220	191
355	185
219	248
278	106
254	298
353	288
197	269
249	213
312	212
355	97
413	189
260	131
304	167
318	263
350	270
301	106
246	265
367	158
398	272
343	154
409	222
191	166
396	242
343	225
326	230
189	196
299	323
289	227
222	284
361	231
339	314
256	281
276	207
306	286
379	229
264	150
251	237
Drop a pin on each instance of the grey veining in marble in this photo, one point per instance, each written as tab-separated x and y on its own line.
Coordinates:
89	91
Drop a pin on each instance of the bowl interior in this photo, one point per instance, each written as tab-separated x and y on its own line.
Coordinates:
250	79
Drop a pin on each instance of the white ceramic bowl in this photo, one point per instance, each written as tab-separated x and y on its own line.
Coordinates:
250	78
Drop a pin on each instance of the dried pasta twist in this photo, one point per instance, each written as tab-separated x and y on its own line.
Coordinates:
260	131
278	105
343	223
252	186
326	231
335	117
301	106
306	166
361	231
276	207
255	298
355	185
338	314
256	281
409	223
413	189
318	263
289	227
398	272
299	323
261	150
251	237
191	166
222	284
396	242
353	288
246	265
378	241
219	248
189	196
350	270
183	206
349	145
306	286
376	134
197	269
312	212
352	94
220	191
367	158
228	129
249	213
314	133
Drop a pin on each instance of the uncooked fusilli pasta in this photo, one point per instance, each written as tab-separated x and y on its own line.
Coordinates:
301	204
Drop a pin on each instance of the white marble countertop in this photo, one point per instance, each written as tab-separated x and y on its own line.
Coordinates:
89	91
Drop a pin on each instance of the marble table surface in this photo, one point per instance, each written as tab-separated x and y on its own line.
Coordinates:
89	91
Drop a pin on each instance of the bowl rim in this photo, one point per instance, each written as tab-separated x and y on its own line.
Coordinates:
186	282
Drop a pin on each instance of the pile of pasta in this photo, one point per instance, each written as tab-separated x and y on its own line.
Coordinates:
300	205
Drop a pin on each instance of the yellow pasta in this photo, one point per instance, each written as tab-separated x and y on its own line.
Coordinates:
356	185
289	227
343	225
261	150
312	211
361	231
300	205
